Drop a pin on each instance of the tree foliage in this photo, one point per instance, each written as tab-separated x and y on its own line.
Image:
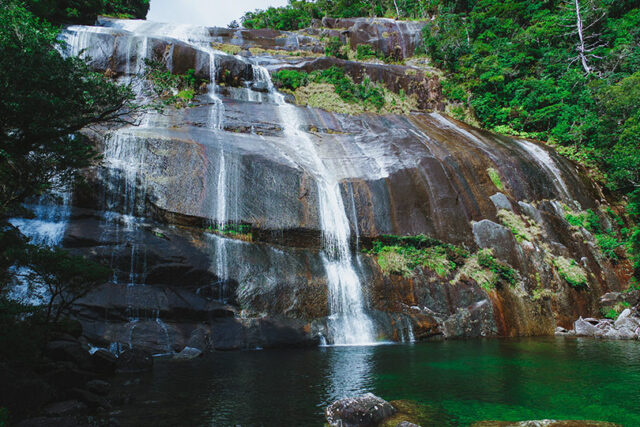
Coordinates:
86	11
46	101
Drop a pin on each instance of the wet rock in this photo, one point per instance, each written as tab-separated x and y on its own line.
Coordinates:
488	234
98	387
134	361
69	351
68	421
68	407
188	353
474	321
501	202
363	411
92	400
387	36
199	339
104	362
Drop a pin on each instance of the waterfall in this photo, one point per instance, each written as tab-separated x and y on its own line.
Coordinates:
51	216
542	157
348	323
47	228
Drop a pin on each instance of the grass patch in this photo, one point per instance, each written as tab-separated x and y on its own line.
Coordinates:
520	229
404	254
571	272
494	176
230	49
236	231
331	89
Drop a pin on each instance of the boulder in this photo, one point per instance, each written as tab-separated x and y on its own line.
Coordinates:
68	407
134	361
188	353
92	400
98	387
104	362
501	202
69	351
406	424
361	411
585	328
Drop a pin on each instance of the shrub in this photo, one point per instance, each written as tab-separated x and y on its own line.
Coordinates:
365	51
495	178
290	79
335	48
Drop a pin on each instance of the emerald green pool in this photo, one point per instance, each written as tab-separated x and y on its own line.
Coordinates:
457	382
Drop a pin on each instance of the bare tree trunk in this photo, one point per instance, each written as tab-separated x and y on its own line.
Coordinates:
581	46
395	3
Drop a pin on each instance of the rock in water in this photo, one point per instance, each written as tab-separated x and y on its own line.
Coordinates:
362	411
134	361
188	353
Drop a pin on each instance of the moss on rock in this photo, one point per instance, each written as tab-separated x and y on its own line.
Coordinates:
571	271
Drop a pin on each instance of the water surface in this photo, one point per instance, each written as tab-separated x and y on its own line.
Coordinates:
457	382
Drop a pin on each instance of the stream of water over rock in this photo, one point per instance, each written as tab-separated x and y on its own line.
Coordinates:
348	323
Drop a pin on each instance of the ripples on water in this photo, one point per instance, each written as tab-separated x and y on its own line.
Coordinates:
459	381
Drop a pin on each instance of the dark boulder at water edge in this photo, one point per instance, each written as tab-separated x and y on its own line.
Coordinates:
245	221
362	411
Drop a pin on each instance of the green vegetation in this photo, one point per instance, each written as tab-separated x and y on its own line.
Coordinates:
333	90
486	271
502	271
608	240
520	67
614	312
404	254
571	271
299	13
336	48
494	176
177	90
521	230
46	101
86	11
238	231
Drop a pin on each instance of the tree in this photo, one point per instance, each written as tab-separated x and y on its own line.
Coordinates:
234	24
46	101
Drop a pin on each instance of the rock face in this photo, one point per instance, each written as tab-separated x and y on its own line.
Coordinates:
211	216
363	411
398	39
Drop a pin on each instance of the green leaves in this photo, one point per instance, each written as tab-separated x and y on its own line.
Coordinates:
46	101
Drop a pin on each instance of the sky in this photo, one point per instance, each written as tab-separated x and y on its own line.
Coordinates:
211	13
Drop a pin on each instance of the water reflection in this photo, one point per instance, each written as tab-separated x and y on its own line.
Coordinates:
457	382
349	372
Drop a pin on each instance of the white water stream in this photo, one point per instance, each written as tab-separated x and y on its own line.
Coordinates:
348	323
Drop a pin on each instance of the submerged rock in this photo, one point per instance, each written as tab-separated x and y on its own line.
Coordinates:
364	411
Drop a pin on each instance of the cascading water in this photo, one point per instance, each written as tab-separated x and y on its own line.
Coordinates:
198	38
547	163
348	323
